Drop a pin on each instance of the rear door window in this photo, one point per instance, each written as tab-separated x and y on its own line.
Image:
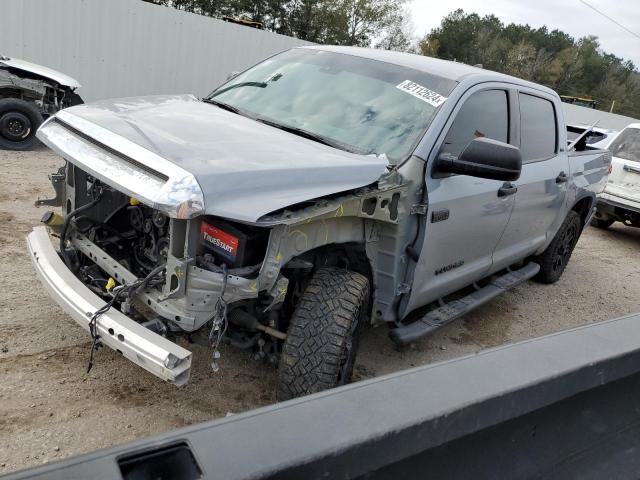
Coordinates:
538	129
484	114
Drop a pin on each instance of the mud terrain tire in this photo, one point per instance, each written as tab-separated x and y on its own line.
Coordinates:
554	259
322	339
19	121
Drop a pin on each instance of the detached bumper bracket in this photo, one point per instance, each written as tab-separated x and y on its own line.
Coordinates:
143	347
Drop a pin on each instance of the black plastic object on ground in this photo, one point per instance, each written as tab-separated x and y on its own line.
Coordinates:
559	406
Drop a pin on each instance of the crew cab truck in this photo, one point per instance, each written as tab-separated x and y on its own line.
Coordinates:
320	190
620	201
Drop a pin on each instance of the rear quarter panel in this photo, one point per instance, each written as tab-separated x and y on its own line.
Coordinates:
589	172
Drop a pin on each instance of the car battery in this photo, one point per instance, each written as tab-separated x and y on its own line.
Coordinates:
231	245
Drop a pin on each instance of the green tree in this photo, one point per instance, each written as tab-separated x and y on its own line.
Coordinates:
367	18
553	58
398	33
340	22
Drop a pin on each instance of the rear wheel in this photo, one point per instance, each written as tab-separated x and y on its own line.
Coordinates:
555	258
597	222
19	121
322	339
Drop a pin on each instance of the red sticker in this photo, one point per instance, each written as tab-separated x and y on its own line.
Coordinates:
219	239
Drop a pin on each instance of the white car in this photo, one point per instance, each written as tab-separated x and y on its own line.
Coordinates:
620	201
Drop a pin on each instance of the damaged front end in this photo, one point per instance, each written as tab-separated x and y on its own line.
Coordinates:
49	95
134	222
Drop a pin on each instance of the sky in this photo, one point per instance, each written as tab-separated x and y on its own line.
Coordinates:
570	16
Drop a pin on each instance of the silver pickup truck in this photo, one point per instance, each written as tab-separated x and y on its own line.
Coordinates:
320	190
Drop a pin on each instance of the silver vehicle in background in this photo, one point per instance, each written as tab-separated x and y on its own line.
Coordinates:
320	190
29	94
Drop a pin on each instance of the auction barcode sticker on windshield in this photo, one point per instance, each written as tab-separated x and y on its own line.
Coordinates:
423	93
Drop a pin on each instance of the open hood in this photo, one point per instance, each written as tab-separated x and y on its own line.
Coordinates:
23	65
187	157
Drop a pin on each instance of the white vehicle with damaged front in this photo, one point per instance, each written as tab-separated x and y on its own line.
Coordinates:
320	190
29	94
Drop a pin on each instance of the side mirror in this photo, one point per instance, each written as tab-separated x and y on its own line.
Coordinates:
484	158
233	74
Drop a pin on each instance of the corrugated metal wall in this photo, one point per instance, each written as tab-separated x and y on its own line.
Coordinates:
576	114
118	48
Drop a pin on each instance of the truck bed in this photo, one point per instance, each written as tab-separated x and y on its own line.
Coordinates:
590	169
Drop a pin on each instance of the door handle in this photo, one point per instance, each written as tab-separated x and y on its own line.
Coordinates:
506	189
562	178
629	168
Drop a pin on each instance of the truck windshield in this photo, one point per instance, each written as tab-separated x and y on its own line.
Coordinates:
348	102
627	145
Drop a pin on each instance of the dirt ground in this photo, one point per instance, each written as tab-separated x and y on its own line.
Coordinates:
50	408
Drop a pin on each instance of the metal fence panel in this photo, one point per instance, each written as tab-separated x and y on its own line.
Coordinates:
120	48
576	114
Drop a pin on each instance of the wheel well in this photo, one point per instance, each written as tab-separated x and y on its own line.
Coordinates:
351	256
583	207
10	93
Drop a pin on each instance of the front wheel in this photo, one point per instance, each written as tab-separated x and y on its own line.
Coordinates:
19	121
322	338
555	258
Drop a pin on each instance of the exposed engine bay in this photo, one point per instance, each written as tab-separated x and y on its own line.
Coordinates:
206	279
106	231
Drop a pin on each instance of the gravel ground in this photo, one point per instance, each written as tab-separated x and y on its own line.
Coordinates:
50	409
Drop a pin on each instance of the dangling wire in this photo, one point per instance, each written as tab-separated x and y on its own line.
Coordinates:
219	325
124	291
93	325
